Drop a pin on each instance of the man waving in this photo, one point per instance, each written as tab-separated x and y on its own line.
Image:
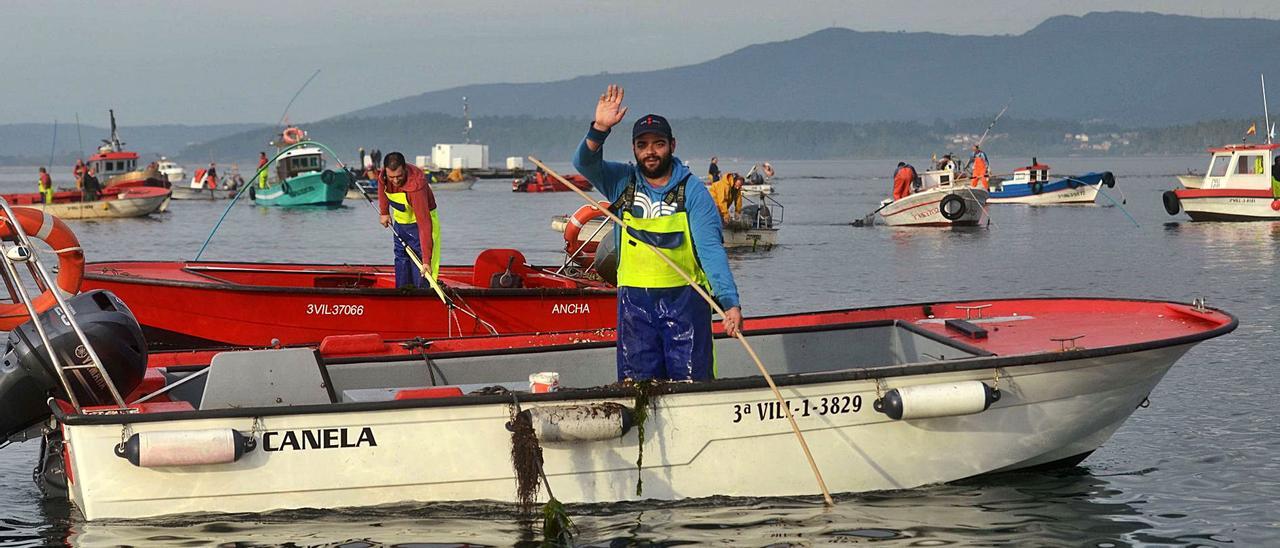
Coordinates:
664	326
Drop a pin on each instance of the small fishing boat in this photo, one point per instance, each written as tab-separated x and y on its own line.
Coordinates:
202	304
201	188
301	178
888	398
453	180
757	228
1240	185
360	188
116	167
119	202
175	173
1032	185
944	200
541	182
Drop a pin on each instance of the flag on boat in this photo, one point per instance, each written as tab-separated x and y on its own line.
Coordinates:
1253	129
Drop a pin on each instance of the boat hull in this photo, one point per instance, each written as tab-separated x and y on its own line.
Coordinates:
200	312
1191	181
923	208
1229	204
308	189
188	193
727	442
128	202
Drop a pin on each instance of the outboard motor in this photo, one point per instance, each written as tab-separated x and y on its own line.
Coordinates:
28	378
606	262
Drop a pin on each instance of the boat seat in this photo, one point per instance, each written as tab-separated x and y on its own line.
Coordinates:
266	378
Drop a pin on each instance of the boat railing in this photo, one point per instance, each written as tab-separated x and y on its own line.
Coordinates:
768	212
20	250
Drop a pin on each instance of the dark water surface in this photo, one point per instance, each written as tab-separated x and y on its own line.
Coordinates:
1198	467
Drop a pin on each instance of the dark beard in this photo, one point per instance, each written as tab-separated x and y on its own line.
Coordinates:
664	168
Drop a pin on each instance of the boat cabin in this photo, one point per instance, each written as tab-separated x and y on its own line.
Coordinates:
299	161
107	164
1241	166
1034	173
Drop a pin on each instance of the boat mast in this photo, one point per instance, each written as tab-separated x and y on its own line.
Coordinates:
1266	114
116	145
466	117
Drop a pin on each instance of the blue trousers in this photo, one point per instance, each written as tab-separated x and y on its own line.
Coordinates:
664	333
407	273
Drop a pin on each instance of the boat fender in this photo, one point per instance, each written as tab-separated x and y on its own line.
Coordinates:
587	422
252	195
1275	205
937	400
186	447
327	176
1171	202
952	207
1108	179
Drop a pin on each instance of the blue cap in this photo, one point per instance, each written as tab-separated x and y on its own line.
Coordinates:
651	123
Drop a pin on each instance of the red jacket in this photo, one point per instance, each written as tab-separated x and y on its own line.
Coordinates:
421	199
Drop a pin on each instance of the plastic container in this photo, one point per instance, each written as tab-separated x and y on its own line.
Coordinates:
546	381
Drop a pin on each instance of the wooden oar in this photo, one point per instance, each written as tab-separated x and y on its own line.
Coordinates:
786	409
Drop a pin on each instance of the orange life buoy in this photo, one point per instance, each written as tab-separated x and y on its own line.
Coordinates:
579	219
51	230
293	135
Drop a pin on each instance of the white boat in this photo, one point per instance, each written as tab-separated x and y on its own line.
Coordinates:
175	173
1240	185
1191	180
1032	185
884	404
943	200
757	229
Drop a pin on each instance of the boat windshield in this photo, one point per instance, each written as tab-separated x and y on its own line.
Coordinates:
1219	166
303	164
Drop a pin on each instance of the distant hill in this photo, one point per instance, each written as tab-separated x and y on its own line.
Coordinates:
29	144
1126	68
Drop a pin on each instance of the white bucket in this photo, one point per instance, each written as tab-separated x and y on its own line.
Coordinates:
546	381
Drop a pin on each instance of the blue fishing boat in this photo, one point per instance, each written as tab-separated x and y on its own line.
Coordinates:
300	177
1032	185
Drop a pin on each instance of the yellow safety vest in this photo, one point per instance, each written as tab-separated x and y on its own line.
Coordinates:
402	214
637	267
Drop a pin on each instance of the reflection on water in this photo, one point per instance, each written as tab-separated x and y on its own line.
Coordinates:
1197	467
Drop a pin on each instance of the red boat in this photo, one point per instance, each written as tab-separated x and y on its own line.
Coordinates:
117	168
206	304
541	182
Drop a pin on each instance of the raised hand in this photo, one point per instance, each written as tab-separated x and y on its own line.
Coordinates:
609	110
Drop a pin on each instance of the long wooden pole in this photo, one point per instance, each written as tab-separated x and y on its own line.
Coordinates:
786	409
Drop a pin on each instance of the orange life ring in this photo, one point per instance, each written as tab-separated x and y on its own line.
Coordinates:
579	219
293	135
51	230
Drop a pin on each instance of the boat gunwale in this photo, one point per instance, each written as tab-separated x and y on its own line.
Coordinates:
227	285
718	385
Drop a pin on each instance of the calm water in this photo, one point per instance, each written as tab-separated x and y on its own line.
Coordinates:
1199	467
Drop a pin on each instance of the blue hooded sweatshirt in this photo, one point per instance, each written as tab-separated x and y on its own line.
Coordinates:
611	178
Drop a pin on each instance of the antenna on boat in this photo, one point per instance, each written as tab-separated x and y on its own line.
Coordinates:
295	97
54	144
79	138
114	143
466	117
1266	114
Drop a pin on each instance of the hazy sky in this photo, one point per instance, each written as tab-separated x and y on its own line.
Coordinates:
241	60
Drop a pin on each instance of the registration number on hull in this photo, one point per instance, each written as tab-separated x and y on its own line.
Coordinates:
314	309
808	407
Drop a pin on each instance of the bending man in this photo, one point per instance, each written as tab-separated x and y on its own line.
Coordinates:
409	207
664	326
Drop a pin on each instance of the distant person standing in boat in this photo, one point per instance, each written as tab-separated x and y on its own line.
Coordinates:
980	172
727	193
262	170
664	326
45	184
902	179
408	206
1275	179
714	169
211	176
89	186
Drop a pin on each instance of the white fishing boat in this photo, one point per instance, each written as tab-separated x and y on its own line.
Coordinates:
1032	185
887	398
756	228
1240	185
175	173
943	200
